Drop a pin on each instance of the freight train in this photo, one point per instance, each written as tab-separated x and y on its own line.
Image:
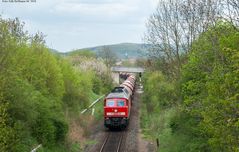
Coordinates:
117	104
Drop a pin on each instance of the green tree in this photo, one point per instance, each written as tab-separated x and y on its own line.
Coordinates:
210	87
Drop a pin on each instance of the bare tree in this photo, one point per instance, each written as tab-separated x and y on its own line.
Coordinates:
163	32
175	25
197	16
231	11
108	56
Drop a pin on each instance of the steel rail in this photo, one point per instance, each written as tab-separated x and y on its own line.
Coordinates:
104	143
119	144
107	139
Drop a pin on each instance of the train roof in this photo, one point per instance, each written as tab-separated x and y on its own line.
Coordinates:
117	95
118	89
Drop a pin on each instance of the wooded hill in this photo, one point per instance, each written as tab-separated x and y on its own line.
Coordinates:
122	50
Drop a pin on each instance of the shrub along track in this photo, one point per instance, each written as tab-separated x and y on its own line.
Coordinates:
111	139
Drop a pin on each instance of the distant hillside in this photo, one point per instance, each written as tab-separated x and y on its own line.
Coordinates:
54	51
123	50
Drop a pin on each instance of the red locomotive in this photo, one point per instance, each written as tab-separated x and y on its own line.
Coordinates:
117	104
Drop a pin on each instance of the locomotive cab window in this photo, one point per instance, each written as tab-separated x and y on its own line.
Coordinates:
110	103
120	103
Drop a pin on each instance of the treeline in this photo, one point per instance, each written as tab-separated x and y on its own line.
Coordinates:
37	91
191	90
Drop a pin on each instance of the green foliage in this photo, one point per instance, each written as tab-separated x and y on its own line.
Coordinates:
6	133
210	87
44	130
207	117
159	91
160	97
107	82
78	86
97	85
36	89
75	148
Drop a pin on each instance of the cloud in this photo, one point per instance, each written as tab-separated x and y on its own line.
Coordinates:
108	9
96	1
72	24
107	12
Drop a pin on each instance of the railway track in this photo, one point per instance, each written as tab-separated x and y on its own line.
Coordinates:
112	142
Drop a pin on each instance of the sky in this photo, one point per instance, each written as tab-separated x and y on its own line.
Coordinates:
74	24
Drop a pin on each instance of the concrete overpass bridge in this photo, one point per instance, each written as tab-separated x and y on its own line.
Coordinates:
122	69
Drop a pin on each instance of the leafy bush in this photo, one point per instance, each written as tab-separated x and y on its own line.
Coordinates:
210	88
159	92
37	89
207	117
